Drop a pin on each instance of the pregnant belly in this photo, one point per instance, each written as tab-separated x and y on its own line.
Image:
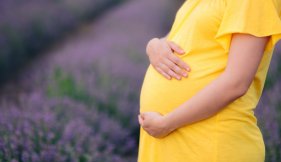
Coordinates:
162	95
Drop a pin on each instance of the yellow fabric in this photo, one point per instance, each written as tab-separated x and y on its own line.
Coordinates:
203	28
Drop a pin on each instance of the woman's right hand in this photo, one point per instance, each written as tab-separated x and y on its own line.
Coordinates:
162	58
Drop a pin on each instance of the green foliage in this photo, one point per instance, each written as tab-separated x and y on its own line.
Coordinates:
65	85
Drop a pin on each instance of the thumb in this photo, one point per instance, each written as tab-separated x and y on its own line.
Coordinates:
140	120
143	115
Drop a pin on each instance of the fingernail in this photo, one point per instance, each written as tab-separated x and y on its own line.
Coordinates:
185	74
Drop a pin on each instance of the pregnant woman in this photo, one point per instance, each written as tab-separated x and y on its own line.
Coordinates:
205	79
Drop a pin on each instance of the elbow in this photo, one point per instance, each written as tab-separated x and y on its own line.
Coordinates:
238	87
242	90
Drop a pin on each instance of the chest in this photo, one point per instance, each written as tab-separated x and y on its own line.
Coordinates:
200	18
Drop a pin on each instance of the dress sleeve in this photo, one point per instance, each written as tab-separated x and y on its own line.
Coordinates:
256	17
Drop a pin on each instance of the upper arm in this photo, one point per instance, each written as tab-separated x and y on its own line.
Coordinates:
245	54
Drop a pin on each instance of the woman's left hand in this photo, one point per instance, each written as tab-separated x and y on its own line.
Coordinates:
154	124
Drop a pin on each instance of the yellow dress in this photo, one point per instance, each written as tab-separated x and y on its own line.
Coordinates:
203	28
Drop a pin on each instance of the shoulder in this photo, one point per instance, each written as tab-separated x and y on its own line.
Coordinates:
261	6
277	4
231	2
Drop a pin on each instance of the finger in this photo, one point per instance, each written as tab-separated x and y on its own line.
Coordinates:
142	115
140	120
176	69
179	62
167	68
163	73
150	133
176	47
147	131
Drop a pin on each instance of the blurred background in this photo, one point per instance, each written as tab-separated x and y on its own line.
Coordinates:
70	76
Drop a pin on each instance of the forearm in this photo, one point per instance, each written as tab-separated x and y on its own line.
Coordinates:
206	102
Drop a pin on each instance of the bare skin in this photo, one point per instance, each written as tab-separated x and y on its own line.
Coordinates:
162	58
245	55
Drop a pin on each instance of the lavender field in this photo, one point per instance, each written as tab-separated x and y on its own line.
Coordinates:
78	101
27	27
